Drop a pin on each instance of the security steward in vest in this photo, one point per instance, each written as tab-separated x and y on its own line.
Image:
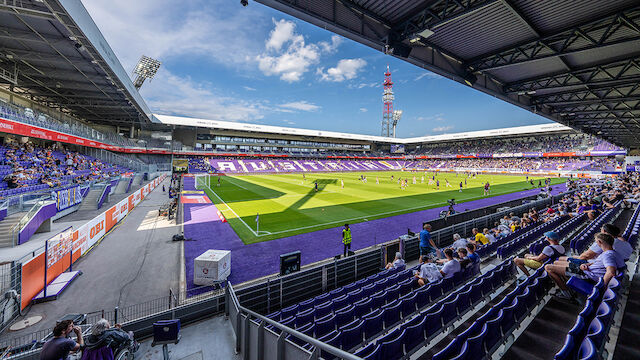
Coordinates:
346	239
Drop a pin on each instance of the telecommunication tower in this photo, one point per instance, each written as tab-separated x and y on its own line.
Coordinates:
387	99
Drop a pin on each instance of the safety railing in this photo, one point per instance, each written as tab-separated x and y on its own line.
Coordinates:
253	335
24	220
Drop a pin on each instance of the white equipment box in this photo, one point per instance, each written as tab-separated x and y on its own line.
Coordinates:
211	266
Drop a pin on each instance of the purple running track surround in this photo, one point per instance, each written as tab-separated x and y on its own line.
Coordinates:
204	230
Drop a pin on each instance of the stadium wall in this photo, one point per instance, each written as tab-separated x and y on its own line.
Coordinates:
72	245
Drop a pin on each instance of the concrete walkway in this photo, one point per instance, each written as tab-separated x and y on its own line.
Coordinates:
135	263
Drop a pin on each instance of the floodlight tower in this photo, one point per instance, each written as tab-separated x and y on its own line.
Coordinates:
387	99
146	69
397	114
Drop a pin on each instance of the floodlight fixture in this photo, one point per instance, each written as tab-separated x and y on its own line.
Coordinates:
145	69
397	115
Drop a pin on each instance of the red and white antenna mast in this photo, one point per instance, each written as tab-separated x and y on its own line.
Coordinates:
387	99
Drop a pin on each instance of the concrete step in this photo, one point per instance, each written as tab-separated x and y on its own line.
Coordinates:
5	229
90	202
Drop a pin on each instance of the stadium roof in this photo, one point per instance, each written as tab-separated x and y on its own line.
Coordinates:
52	52
575	62
482	134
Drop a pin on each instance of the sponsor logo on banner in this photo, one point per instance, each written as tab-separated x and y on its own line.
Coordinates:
66	198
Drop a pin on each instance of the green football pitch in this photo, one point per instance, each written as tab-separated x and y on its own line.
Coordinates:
288	205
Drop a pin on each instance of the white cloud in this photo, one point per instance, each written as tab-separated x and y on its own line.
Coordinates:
332	46
289	122
442	128
428	75
173	95
149	27
300	105
288	55
363	110
436	117
248	88
346	69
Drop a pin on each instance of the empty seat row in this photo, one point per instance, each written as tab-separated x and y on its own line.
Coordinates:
413	334
488	332
486	250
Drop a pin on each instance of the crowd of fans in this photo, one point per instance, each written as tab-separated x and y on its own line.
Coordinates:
26	167
543	143
522	164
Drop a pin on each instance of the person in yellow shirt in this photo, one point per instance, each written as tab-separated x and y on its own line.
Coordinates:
480	238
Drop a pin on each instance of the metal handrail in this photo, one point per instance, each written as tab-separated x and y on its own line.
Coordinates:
315	342
15	229
104	189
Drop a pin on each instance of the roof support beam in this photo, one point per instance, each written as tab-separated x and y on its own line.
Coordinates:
618	28
438	13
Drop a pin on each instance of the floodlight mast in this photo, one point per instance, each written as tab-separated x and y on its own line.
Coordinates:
397	115
145	69
387	99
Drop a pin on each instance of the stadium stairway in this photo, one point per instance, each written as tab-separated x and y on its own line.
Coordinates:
5	229
627	345
542	341
90	202
121	188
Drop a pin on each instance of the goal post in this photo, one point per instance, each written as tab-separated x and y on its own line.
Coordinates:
202	180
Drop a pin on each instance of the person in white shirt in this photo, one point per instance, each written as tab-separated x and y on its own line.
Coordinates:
489	236
397	262
451	266
428	272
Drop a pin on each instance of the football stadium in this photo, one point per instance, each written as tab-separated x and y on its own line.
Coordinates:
154	207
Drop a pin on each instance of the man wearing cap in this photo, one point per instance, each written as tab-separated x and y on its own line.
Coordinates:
553	250
429	272
397	262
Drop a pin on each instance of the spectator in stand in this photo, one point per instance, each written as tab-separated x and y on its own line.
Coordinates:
451	265
489	235
397	262
427	246
604	266
428	272
472	255
479	237
61	345
551	251
458	241
463	257
103	335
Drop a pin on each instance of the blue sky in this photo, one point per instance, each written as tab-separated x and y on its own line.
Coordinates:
254	64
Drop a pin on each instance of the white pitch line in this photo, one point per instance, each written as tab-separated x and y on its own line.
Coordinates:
234	213
356	218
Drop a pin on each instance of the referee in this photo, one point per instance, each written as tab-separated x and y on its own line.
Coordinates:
346	239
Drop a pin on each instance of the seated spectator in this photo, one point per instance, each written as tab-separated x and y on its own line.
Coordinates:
465	262
61	345
428	272
397	262
102	334
592	210
458	241
451	266
479	237
472	255
489	235
604	266
551	251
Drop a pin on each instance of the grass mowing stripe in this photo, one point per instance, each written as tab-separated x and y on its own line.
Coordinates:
288	207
